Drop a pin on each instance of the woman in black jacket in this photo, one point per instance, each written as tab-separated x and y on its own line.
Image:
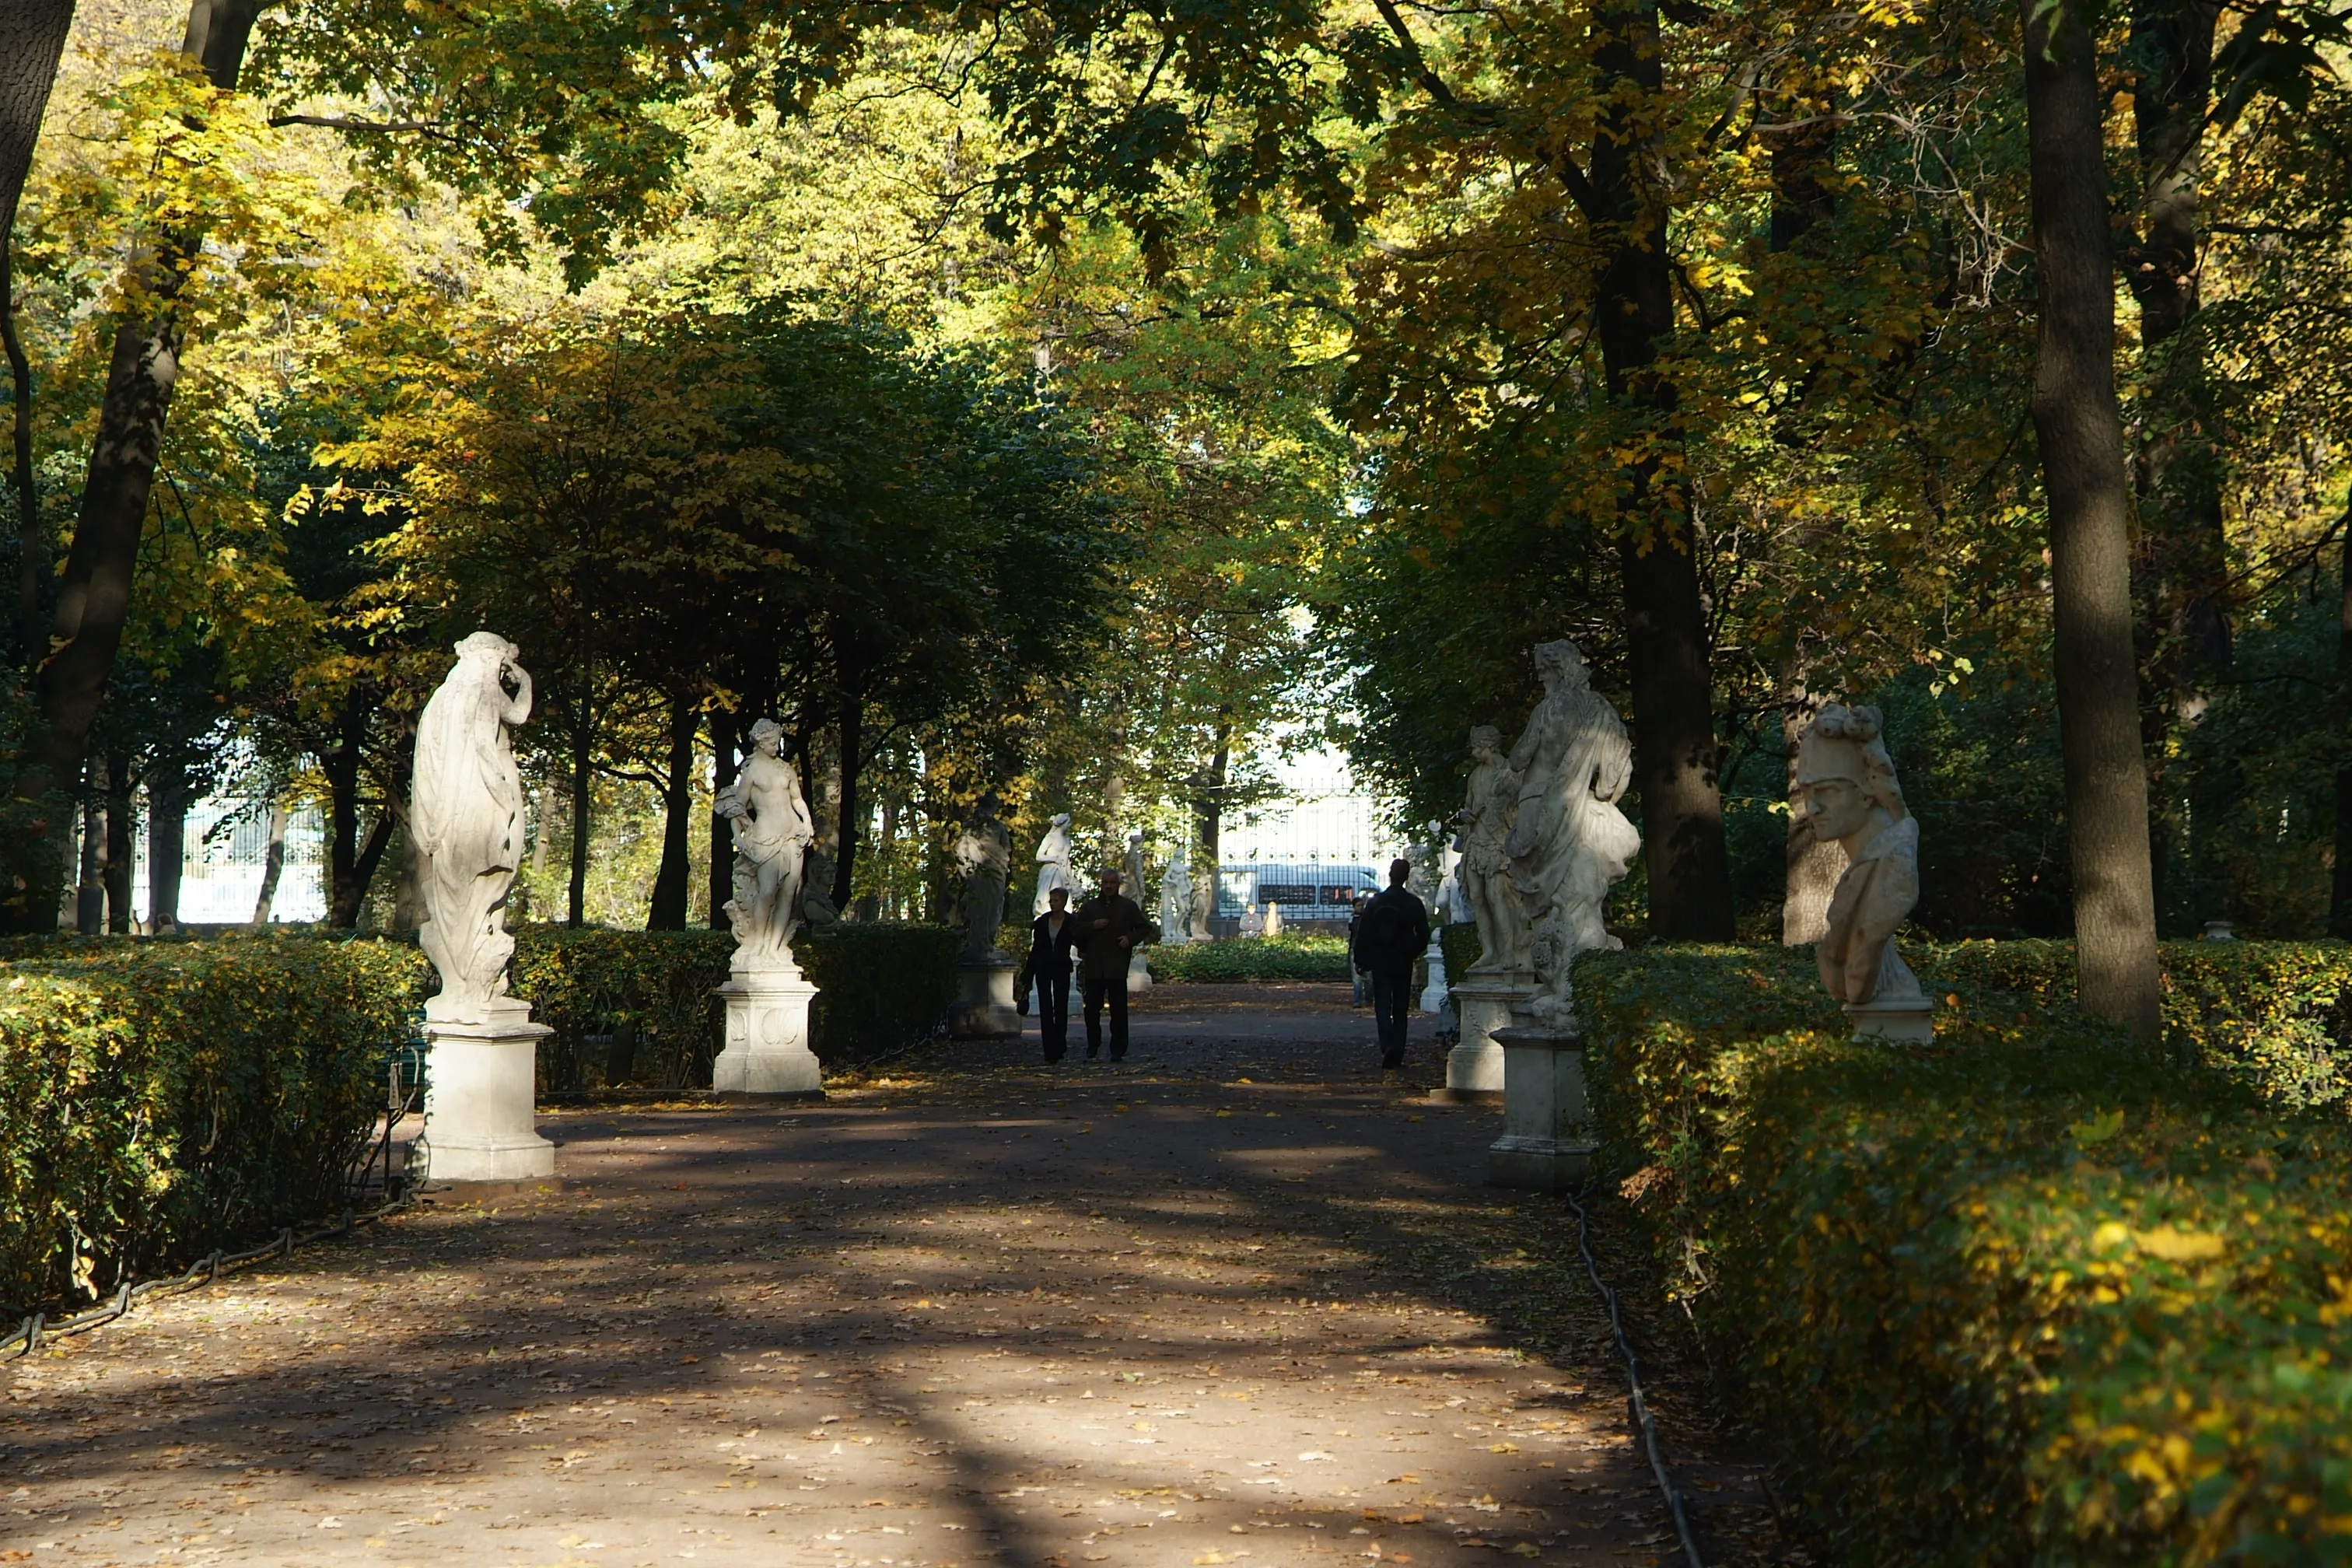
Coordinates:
1051	935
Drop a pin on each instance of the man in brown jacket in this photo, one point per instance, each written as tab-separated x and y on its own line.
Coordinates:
1110	926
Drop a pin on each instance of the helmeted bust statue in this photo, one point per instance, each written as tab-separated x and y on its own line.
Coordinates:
465	816
1851	795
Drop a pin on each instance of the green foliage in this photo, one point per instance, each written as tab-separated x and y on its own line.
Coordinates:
162	1099
2032	1294
1458	939
655	987
880	986
1244	958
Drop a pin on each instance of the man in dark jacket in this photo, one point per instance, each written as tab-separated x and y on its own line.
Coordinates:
1052	935
1391	933
1110	927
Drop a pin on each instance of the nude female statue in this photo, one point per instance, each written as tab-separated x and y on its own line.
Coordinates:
772	833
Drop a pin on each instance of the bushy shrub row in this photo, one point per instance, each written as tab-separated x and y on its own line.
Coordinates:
157	1101
1251	958
2035	1294
630	1006
881	987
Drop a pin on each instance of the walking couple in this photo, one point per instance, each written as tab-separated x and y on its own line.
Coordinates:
1103	933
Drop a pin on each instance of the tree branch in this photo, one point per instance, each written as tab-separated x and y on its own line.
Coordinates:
338	122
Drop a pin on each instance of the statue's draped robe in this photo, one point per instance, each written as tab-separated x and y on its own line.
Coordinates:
1856	956
466	814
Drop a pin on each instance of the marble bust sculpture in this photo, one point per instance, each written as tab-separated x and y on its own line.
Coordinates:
772	834
1852	796
466	818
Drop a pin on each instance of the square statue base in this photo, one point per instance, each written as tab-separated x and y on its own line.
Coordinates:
481	1084
1545	1118
767	1050
1909	1021
984	1007
1488	1002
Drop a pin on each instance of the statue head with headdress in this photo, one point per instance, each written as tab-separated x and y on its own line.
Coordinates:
1843	768
1486	741
1561	663
766	735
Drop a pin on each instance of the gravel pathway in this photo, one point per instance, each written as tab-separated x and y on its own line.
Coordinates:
1237	1300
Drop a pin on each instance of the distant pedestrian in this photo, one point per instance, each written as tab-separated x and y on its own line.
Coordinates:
1363	993
1391	933
1052	935
1110	927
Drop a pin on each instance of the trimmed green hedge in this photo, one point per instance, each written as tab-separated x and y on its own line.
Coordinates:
1458	939
162	1100
2036	1294
652	989
881	987
1251	958
633	1006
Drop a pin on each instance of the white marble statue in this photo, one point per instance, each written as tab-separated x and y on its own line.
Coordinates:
1568	840
772	834
466	818
1176	903
1130	865
984	855
1448	899
1852	798
1490	803
1054	867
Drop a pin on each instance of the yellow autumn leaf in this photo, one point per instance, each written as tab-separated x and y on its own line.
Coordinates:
2180	1246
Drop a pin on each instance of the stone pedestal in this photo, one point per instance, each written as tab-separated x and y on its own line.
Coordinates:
767	1050
1909	1021
1433	992
983	1007
1545	1146
481	1080
1139	973
1487	1003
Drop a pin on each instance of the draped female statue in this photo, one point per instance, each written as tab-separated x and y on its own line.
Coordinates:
1491	802
1568	841
465	819
1054	865
772	834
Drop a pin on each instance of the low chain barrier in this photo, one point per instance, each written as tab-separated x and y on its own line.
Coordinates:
370	1170
1634	1398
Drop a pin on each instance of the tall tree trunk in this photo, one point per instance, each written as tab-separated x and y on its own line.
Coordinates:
94	594
583	782
89	893
1675	753
852	762
2082	442
1208	826
667	911
2181	565
273	865
167	845
341	768
726	733
32	39
119	842
2339	903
